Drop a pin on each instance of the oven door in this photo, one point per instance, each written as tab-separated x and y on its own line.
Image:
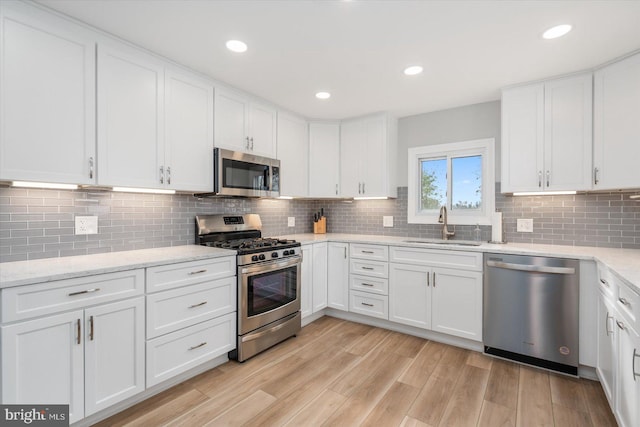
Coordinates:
267	292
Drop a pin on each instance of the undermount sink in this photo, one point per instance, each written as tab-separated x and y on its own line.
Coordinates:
444	242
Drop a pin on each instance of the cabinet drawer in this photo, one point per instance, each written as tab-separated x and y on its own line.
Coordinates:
449	258
369	284
178	308
374	252
370	268
608	286
369	304
173	276
180	351
629	304
23	302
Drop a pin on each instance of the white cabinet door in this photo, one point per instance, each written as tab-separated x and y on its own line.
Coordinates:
628	393
338	276
47	98
293	153
373	168
324	159
262	130
522	138
231	120
410	295
114	353
43	362
568	133
319	276
130	118
457	303
607	342
616	125
189	132
352	135
306	287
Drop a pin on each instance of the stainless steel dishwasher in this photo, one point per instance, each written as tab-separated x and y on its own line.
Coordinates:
531	310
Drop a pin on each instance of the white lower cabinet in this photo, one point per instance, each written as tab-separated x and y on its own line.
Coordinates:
89	359
338	276
306	285
369	304
618	355
369	280
313	288
446	300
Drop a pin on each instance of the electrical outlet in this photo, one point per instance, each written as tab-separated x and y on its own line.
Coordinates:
291	221
525	225
86	224
387	221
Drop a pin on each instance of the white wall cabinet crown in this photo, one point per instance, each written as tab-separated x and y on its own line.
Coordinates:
547	135
616	126
293	153
324	159
245	125
368	149
47	97
155	125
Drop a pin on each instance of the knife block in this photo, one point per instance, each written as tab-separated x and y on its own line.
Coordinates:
320	227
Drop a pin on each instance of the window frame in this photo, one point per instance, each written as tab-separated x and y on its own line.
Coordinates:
478	147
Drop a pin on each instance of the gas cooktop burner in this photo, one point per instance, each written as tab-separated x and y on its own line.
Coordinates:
247	246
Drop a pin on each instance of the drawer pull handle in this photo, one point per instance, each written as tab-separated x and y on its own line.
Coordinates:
366	284
367	268
367	304
620	325
91	328
88	291
604	282
198	272
202	344
367	252
624	301
78	332
198	305
633	365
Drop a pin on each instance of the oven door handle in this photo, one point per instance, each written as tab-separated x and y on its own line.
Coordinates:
270	266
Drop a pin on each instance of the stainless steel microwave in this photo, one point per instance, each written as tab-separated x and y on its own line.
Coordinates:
244	175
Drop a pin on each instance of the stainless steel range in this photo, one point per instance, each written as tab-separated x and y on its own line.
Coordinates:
268	280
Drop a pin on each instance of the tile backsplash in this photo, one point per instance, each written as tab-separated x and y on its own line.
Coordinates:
40	223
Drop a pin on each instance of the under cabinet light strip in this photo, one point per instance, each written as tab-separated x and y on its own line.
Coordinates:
50	185
142	190
544	193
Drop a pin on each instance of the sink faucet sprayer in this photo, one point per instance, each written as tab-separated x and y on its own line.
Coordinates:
446	234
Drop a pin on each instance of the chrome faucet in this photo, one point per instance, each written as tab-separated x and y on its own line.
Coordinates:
446	234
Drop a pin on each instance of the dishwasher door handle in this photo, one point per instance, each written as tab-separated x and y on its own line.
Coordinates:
533	268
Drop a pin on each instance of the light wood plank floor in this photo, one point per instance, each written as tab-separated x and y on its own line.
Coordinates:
339	373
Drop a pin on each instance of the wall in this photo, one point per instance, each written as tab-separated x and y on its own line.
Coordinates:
454	125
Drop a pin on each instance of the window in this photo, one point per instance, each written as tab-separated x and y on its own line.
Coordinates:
459	176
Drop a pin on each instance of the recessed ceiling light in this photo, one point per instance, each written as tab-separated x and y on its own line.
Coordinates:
413	70
557	31
323	95
236	46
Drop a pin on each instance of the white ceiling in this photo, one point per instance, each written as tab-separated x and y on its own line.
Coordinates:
357	49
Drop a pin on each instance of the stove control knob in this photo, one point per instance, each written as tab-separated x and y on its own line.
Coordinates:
254	258
285	253
261	257
292	252
274	255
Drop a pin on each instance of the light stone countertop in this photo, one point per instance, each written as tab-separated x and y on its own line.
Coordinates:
624	263
46	270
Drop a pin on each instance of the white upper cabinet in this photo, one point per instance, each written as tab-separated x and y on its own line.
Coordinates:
368	155
47	97
617	125
244	125
546	135
130	118
293	153
188	131
324	159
